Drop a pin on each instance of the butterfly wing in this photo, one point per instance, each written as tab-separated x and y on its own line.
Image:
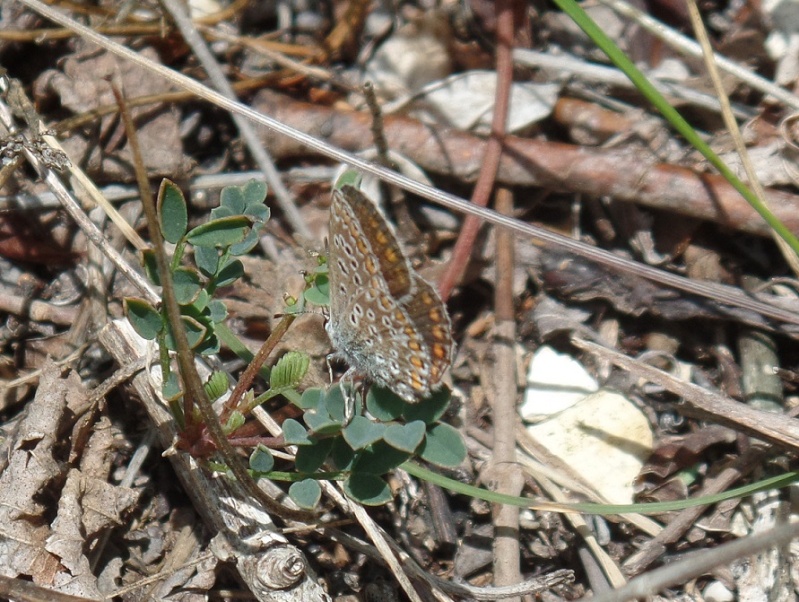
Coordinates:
380	242
368	326
430	318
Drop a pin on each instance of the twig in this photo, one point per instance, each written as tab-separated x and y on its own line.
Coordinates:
691	48
683	570
507	474
493	149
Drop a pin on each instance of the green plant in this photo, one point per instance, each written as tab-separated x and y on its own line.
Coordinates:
204	260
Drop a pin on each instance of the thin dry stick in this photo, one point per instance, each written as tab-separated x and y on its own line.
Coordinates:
684	44
381	544
684	570
255	365
488	173
508	477
220	82
732	125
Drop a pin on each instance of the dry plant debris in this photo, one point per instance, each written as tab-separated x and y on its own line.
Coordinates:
689	394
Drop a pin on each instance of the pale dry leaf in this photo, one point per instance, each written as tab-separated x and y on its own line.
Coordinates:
84	83
31	468
67	542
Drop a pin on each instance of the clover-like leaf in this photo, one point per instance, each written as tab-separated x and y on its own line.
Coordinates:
312	399
261	460
443	446
232	197
259	213
245	246
384	404
294	433
319	292
405	437
209	345
306	493
195	332
254	192
310	458
170	388
150	264
342	455
145	319
172	211
379	458
429	409
362	432
217	311
336	402
321	423
368	489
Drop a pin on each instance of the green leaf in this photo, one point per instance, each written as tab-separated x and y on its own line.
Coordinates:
261	460
201	302
289	370
362	432
306	494
384	404
222	212
232	197
294	433
217	311
246	245
229	273
195	332
349	178
379	458
144	318
216	385
259	213
254	192
312	399
342	455
430	409
311	457
172	212
336	404
220	232
234	422
207	259
319	292
369	490
150	264
209	345
321	423
405	437
187	285
443	446
170	389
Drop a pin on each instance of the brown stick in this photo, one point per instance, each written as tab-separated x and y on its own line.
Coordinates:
556	166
